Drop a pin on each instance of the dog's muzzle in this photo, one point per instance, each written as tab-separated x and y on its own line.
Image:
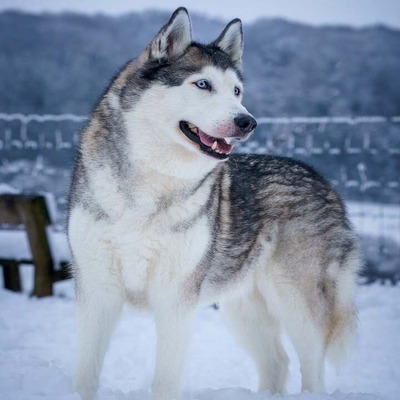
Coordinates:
218	147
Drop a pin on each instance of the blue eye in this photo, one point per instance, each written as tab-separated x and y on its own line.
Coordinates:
237	91
203	84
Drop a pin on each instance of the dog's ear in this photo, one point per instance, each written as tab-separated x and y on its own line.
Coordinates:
231	41
173	38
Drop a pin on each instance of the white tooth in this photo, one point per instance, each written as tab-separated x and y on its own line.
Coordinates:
214	146
190	125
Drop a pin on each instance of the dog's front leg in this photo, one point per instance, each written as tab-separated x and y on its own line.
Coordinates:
173	326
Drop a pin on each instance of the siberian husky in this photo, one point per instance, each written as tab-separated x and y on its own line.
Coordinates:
163	217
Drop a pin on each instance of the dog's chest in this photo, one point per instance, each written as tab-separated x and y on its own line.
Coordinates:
162	240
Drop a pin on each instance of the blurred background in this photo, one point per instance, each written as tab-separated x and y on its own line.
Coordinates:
322	78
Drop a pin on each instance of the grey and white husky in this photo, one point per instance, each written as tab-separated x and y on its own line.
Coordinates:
164	218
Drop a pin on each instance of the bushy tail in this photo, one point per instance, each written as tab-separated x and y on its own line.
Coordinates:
342	338
344	321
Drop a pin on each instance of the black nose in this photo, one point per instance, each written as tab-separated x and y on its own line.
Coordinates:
245	122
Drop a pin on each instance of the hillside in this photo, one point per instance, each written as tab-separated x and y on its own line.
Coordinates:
59	63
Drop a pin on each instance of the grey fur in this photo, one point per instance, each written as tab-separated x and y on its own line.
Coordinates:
275	200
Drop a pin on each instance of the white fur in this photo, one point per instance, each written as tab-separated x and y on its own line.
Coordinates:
123	263
146	265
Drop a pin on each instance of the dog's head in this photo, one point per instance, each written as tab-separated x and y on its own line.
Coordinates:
191	93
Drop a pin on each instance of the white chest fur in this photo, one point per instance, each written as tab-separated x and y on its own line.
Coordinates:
157	238
162	248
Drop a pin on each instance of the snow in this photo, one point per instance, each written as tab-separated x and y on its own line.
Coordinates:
7	189
375	219
14	245
38	342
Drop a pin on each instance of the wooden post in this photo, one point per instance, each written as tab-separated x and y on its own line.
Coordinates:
33	211
11	276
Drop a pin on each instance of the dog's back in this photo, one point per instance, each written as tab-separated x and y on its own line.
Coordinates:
312	253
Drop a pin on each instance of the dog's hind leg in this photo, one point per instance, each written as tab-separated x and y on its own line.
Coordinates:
98	306
260	334
319	315
304	325
309	345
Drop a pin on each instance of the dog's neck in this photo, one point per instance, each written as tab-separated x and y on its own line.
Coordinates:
167	182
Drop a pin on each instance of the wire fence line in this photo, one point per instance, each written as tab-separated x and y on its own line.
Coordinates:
260	120
338	139
302	137
360	155
355	147
20	139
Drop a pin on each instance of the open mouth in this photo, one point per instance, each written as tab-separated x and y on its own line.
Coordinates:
214	147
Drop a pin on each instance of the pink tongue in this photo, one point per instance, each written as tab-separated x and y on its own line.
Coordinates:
222	146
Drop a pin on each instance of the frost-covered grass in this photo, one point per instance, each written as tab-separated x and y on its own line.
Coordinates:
38	341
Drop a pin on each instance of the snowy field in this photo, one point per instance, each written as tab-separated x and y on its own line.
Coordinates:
38	343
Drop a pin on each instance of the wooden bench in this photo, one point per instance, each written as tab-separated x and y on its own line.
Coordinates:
31	211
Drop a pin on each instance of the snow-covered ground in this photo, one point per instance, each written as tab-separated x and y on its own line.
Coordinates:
38	340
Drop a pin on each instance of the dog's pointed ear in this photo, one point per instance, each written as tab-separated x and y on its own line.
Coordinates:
173	38
231	41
